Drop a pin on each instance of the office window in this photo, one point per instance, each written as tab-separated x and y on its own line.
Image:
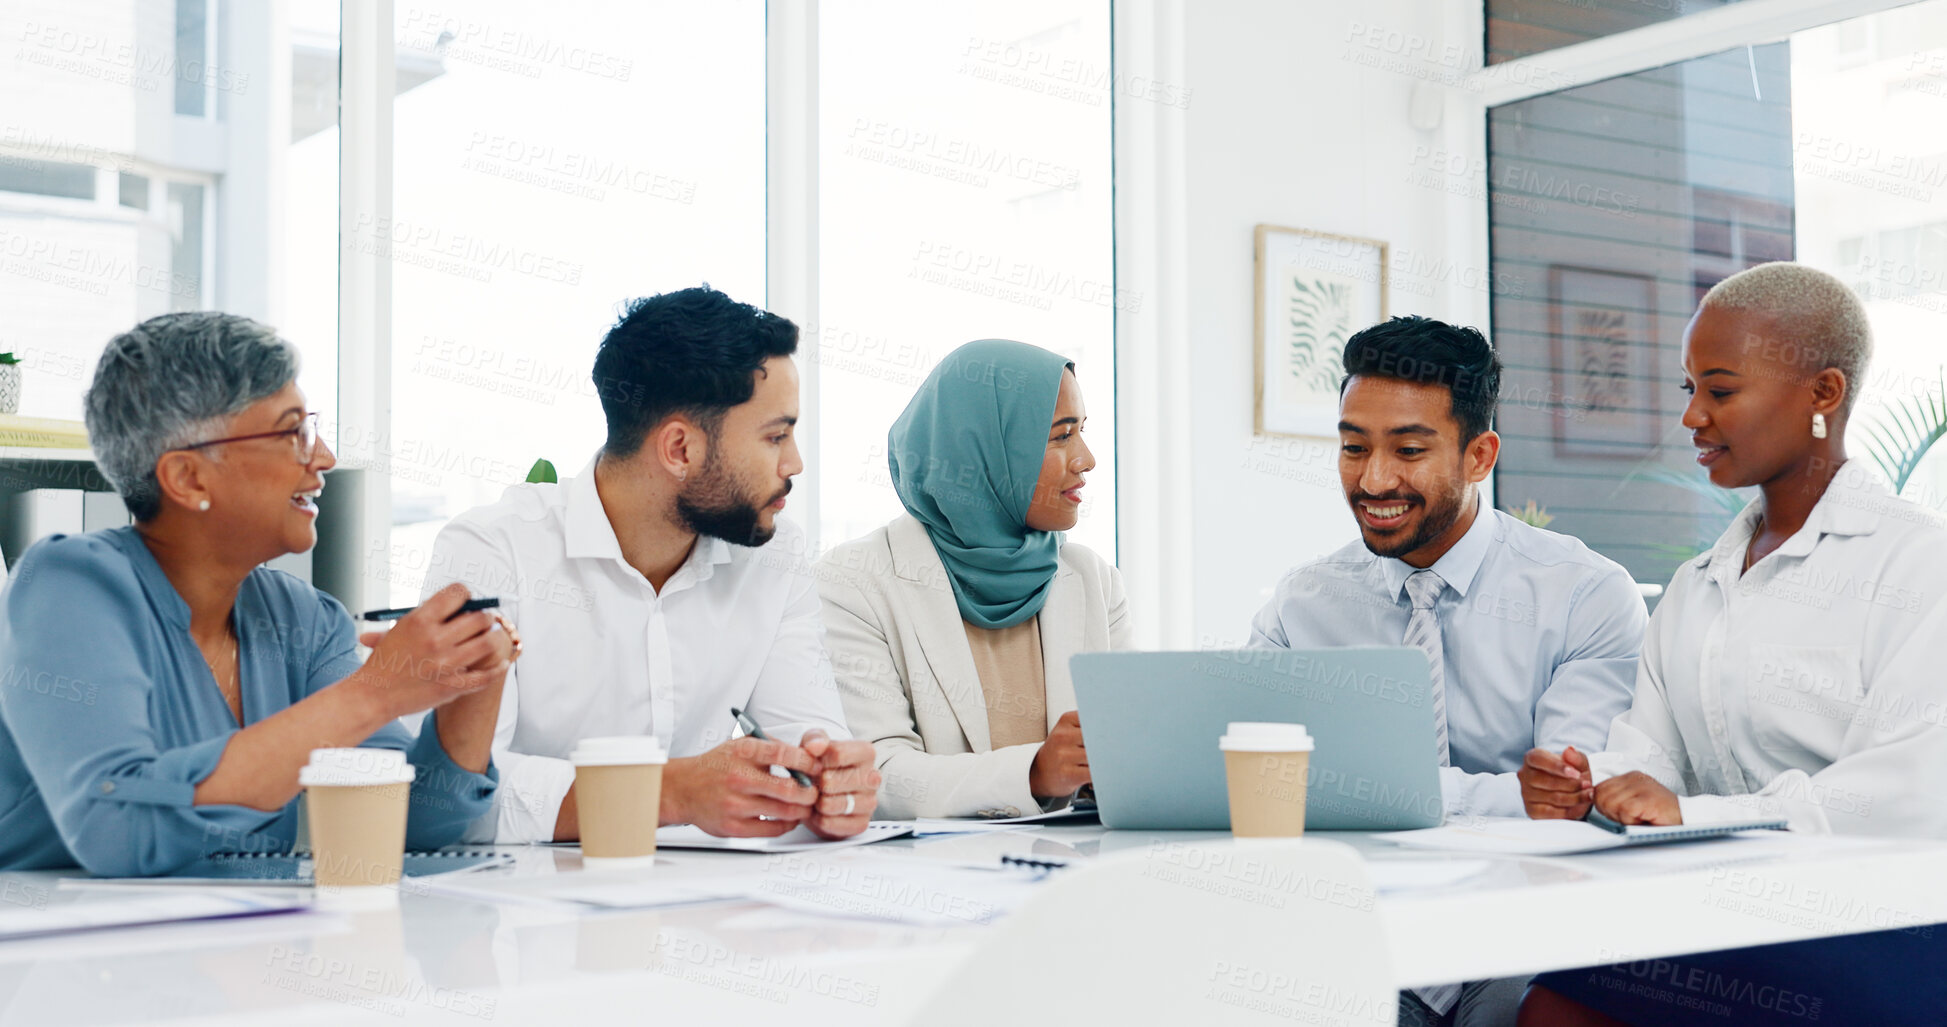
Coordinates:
1916	248
307	275
113	209
1619	203
132	191
47	178
1517	28
550	163
186	247
972	201
195	26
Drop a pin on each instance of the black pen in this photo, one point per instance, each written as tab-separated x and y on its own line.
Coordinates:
1596	818
470	606
750	728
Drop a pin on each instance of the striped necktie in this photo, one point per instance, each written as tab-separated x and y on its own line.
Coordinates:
1423	633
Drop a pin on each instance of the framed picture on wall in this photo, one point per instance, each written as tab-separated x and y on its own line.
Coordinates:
1314	290
1603	362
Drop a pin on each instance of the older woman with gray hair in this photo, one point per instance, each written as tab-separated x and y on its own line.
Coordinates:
159	687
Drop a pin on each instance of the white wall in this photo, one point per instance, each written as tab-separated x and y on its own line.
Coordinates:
1298	115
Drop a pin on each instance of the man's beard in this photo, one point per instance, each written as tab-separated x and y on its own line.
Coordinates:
1439	517
711	504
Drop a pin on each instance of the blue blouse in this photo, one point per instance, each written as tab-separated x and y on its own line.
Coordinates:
109	716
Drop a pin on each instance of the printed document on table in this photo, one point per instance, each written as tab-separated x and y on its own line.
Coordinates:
1519	836
969	825
660	885
109	908
798	839
873	884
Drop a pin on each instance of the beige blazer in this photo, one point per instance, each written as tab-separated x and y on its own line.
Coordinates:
906	673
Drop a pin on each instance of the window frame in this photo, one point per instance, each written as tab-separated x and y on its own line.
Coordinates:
1625	53
367	55
212	39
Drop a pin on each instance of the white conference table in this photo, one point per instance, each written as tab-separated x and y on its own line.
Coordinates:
442	960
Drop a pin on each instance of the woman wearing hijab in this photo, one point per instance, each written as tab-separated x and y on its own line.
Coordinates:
1792	672
950	629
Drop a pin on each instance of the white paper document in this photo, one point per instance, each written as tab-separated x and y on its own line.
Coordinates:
932	827
798	839
847	881
1519	836
969	825
107	908
866	884
653	887
1398	875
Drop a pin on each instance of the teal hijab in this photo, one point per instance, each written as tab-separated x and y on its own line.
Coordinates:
965	458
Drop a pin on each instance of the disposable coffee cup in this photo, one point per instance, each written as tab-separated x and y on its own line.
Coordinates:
357	801
1265	765
618	797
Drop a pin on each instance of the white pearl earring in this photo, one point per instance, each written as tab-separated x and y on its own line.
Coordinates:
204	505
1818	426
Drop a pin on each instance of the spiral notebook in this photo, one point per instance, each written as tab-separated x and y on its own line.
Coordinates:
294	868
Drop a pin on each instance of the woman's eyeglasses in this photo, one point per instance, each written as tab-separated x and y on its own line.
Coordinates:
304	439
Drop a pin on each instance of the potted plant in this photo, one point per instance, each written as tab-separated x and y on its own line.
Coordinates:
9	384
1532	514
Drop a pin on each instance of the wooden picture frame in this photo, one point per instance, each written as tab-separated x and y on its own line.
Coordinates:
1603	363
1314	290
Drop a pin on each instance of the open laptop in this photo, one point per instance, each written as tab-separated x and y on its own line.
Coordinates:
1152	720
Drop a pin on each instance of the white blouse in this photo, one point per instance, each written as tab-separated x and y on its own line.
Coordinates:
1811	687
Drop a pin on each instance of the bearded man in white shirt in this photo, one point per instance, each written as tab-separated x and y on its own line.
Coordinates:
657	589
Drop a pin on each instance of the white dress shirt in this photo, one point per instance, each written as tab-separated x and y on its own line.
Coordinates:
604	654
1539	635
1812	686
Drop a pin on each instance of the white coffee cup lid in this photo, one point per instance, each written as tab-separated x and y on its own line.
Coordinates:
622	750
356	767
1257	736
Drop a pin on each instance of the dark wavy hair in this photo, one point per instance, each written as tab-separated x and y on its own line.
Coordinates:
1420	349
694	352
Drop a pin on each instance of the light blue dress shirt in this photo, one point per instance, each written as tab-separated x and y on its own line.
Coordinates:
1540	637
109	717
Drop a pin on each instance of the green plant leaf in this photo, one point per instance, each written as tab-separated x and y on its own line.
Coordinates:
1678	554
9	358
542	473
1532	514
1725	506
1903	432
1729	503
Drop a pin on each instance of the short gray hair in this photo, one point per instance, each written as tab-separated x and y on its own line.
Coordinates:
1825	318
172	381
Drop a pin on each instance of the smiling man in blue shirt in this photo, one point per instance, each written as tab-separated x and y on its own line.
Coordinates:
1532	639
